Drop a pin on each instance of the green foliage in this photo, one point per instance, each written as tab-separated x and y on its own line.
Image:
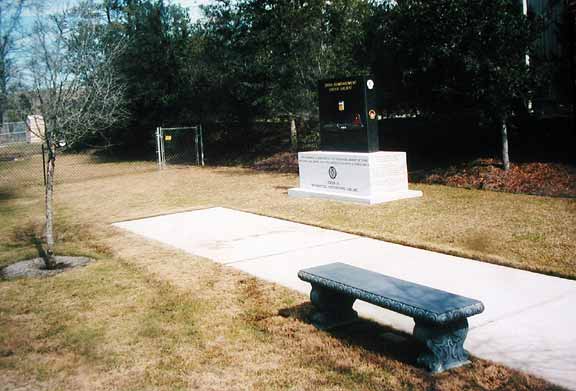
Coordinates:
262	59
274	52
154	65
442	56
234	76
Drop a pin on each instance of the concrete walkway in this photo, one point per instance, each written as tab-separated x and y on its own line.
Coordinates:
529	322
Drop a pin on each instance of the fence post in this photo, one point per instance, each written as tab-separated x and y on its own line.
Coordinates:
196	146
201	145
158	147
162	147
43	164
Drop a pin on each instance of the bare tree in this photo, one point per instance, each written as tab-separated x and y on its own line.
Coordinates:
75	88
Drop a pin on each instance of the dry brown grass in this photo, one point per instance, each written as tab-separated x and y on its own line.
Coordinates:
136	321
27	166
527	232
147	316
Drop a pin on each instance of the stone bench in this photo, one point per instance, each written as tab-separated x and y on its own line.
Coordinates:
440	317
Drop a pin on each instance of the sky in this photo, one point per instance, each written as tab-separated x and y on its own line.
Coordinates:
60	5
57	6
193	6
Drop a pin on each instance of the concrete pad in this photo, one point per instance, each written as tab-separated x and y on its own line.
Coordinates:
226	235
538	340
528	323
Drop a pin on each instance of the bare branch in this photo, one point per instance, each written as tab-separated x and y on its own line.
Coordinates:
74	77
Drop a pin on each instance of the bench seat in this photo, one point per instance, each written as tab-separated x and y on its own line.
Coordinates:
440	317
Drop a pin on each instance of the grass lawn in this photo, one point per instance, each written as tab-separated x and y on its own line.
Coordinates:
146	316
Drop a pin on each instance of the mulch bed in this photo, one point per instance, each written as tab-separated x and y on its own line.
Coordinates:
545	179
35	267
285	162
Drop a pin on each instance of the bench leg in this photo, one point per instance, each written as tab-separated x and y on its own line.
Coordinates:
444	345
334	309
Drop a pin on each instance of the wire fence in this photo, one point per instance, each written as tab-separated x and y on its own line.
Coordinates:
180	146
22	165
13	132
20	162
22	158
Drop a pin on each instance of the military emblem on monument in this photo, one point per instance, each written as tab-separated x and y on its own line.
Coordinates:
332	172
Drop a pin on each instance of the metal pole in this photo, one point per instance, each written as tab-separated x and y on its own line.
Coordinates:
158	147
201	145
196	142
43	165
527	57
525	12
162	148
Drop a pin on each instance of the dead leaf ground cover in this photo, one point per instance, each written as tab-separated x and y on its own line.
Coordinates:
146	316
535	178
546	179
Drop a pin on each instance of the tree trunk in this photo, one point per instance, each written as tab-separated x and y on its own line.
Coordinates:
48	253
504	133
3	92
293	135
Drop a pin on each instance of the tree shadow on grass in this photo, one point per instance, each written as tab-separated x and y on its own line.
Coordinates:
366	334
28	235
121	157
7	194
243	170
285	188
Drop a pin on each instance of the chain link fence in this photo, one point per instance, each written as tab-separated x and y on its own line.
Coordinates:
20	160
13	132
22	157
180	146
22	165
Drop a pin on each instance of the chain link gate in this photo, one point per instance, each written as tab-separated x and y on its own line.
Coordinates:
183	146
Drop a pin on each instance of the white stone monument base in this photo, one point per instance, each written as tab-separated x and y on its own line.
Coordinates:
369	200
368	178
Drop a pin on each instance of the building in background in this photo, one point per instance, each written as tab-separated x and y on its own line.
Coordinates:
572	14
35	128
555	46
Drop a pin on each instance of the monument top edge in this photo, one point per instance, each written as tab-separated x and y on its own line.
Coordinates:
338	153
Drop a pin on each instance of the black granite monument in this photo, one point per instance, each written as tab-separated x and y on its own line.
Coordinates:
348	118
